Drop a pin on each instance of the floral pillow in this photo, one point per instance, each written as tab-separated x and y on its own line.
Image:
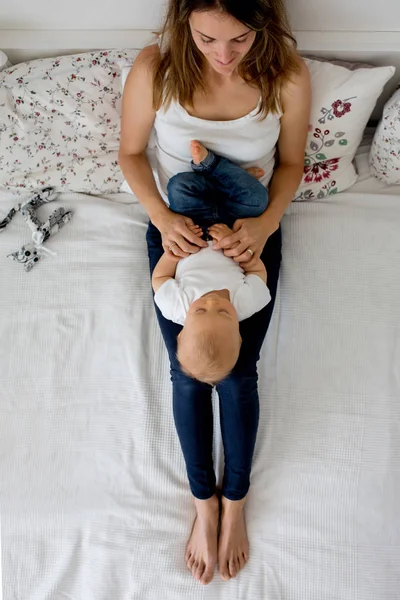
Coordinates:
342	102
384	158
60	122
4	62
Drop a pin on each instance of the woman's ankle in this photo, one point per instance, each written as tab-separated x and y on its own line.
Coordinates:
206	506
232	505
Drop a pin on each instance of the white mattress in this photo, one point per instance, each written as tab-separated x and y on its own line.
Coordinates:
94	499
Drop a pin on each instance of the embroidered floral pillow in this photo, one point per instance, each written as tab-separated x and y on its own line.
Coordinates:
4	62
60	123
342	102
384	158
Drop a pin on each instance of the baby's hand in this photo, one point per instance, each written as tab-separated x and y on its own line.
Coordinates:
219	231
196	230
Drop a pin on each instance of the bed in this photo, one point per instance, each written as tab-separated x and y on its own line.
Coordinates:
95	503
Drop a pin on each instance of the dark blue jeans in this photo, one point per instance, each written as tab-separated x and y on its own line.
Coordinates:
218	191
220	195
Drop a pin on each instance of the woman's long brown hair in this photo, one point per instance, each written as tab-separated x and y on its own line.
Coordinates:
270	62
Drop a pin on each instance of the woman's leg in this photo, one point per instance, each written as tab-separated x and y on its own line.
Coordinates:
193	417
239	413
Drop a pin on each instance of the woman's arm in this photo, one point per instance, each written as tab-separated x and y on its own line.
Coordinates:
136	122
138	116
296	102
253	232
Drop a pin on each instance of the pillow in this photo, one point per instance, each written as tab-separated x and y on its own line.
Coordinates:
384	158
4	62
347	64
60	122
342	102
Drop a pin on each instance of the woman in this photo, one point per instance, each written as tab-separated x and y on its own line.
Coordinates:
227	74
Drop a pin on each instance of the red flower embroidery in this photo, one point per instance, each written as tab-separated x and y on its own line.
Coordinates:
340	108
320	170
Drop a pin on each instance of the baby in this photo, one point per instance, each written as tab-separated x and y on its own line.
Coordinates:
207	292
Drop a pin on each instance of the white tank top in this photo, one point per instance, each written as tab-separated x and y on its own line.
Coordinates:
248	141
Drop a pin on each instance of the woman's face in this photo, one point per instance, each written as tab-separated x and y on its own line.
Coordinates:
223	40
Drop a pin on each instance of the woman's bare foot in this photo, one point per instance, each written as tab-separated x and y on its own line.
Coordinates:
233	544
201	550
198	151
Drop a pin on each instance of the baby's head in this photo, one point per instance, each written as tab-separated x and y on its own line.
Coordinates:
209	343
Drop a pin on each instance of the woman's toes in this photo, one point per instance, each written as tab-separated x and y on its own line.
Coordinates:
190	562
195	566
224	572
200	570
233	570
207	575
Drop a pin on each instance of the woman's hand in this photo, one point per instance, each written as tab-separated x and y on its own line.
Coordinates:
180	236
248	238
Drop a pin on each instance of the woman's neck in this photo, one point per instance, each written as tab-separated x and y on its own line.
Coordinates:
215	78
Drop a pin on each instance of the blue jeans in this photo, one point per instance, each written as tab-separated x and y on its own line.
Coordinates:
218	191
221	195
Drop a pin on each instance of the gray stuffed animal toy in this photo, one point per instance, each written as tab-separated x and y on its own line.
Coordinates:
31	253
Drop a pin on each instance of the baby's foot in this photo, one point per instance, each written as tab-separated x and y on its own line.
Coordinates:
198	152
256	172
218	231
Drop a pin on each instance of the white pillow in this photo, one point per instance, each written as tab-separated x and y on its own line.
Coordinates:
342	102
4	62
384	158
60	122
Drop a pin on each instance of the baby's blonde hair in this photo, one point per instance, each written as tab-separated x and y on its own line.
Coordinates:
210	360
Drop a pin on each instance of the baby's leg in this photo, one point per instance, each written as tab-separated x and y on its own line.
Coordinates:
242	194
193	196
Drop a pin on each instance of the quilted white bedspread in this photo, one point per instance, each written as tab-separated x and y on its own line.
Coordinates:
93	493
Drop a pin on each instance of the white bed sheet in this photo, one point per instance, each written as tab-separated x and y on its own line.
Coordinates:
93	492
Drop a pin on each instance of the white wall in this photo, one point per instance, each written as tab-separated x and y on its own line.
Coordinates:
344	15
306	15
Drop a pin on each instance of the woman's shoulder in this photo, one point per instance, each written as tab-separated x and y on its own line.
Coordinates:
146	62
148	54
141	75
298	83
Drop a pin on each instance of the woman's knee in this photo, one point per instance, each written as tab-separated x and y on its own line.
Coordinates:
241	385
